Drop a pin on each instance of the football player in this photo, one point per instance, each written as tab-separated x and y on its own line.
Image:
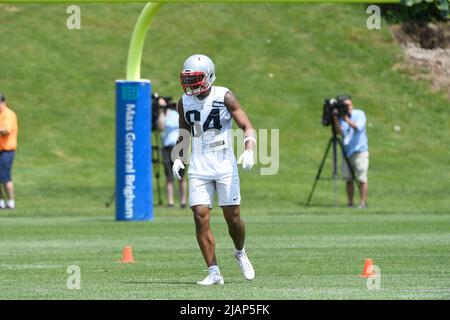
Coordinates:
206	112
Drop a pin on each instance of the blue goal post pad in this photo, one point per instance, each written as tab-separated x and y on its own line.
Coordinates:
134	194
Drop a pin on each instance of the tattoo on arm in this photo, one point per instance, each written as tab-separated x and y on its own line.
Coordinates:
181	122
230	100
241	118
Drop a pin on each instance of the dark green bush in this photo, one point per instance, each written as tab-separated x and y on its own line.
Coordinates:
417	10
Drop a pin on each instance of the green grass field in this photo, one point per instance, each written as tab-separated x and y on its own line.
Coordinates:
61	84
296	256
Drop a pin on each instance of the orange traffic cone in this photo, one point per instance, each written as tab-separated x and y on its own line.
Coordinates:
127	255
368	269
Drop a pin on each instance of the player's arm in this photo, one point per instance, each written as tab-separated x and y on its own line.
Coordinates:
243	122
183	141
183	138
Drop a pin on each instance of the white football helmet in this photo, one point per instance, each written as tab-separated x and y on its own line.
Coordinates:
198	74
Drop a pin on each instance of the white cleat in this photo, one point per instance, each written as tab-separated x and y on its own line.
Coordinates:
212	279
246	267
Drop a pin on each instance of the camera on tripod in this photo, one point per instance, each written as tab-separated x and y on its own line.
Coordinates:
339	107
157	105
331	104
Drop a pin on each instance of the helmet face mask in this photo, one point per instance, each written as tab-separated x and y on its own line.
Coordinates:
197	75
193	83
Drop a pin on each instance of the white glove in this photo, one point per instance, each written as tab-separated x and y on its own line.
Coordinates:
177	166
246	159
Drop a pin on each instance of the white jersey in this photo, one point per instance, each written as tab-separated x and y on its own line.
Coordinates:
210	122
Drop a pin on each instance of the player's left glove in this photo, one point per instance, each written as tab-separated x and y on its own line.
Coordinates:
177	168
247	160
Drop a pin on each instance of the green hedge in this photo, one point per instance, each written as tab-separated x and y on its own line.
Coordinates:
417	10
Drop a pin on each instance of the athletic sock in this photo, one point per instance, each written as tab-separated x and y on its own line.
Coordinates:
2	204
214	270
240	253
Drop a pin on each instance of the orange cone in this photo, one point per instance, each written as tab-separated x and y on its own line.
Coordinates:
368	269
127	255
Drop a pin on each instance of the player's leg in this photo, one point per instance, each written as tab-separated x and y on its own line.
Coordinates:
236	226
201	193
206	241
229	199
228	190
205	237
236	229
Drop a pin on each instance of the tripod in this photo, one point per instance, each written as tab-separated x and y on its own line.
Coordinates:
156	153
333	142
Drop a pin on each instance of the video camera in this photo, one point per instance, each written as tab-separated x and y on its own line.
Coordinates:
156	106
331	104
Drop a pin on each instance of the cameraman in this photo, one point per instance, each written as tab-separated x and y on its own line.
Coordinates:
352	127
168	124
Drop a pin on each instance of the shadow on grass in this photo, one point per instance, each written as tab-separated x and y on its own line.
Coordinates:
319	206
174	282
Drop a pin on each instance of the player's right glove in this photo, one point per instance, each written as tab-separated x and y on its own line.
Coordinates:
177	166
246	159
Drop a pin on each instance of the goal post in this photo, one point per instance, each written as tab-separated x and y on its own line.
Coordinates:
133	174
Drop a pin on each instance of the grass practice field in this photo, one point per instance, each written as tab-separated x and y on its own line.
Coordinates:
296	256
281	60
